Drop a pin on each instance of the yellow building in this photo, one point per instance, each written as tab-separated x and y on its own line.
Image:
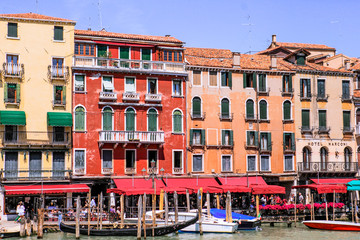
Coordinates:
35	114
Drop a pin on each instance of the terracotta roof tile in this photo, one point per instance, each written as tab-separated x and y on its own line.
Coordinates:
310	67
209	57
270	50
35	16
303	45
356	67
259	62
127	36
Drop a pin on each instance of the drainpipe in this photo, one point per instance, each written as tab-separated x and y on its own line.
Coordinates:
186	126
258	123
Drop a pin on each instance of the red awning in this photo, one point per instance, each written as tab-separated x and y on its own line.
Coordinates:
243	181
122	44
267	189
45	189
332	180
235	189
324	188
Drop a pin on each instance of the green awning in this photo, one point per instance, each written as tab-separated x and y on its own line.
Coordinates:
12	118
59	119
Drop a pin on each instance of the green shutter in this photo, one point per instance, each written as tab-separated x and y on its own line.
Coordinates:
283	82
305	118
5	91
346	119
269	146
262	82
263	110
248	138
250	109
231	141
254	80
54	93
244	80
308	88
124	52
230	79
191	137
301	87
146	54
177	121
130	120
101	51
293	141
107	119
284	143
322	118
290	82
225	108
12	30
58	33
152	121
17	93
223	137
287	107
202	136
223	79
64	94
256	138
196	106
79	119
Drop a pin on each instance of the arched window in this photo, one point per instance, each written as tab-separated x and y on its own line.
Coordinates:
177	121
196	107
107	119
287	110
250	109
323	158
152	120
130	119
263	110
79	118
306	158
225	109
347	156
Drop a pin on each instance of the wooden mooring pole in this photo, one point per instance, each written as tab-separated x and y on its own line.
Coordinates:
139	218
40	223
144	215
89	212
101	210
199	205
22	227
176	205
98	212
187	200
77	226
295	210
208	203
166	208
122	211
28	227
334	206
153	212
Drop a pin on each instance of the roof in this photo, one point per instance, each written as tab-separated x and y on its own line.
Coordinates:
259	62
336	56
304	45
104	33
302	50
272	50
356	67
309	67
209	57
35	16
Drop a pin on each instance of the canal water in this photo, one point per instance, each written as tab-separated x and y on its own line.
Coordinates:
278	232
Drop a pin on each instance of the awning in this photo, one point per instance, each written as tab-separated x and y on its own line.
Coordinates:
122	44
12	118
324	188
267	189
59	119
332	180
45	189
243	181
353	185
108	85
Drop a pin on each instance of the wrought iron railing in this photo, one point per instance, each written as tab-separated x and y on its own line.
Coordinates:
327	167
58	73
34	174
13	70
131	137
35	138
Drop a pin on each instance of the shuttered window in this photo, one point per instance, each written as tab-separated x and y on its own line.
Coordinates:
287	83
265	141
80	83
225	113
321	88
264	163
152	120
289	141
79	119
11	164
196	77
124	52
60	95
305	119
287	110
213	78
197	164
196	107
288	163
250	109
107	159
177	122
12	30
58	33
262	82
346	120
252	138
251	163
227	137
345	89
226	163
58	164
35	164
300	60
226	79
322	119
146	54
79	159
197	137
263	110
130	119
107	119
305	88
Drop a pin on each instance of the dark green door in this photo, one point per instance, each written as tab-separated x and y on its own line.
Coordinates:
130	119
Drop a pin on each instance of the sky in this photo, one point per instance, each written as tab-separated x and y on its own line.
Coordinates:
238	25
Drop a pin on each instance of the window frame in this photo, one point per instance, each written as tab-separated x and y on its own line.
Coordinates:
283	110
74	120
102	83
182	121
125	124
254	109
217	79
265	155
202	162
135	160
62	102
221	109
173	160
157	163
147	119
317	87
192	107
305	109
80	74
192	78
17	31
181	88
102	118
231	162
63	30
102	160
135	87
247	162
80	149
256	133
228	77
267	110
258	82
147	85
292	158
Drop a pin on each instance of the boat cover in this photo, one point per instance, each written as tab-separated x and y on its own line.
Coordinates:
219	213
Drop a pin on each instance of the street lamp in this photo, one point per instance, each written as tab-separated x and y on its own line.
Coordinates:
153	173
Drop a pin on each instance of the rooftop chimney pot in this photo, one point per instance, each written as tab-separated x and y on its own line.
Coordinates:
167	35
274	38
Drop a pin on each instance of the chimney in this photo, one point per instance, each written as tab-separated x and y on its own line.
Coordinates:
273	62
274	38
167	35
347	64
236	59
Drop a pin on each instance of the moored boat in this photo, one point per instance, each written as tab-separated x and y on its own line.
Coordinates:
332	225
245	222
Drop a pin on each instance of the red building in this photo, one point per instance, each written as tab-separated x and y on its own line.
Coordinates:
128	105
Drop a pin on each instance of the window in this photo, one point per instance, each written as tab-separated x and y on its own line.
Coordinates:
264	163
321	88
12	66
152	156
82	49
102	52
12	30
12	93
347	158
107	119
177	160
130	119
58	164
323	158
263	110
196	78
226	164
107	157
262	82
322	120
11	164
146	56
124	52
152	86
289	141
300	59
345	90
213	79
251	163
35	159
130	85
249	80
306	158
287	83
59	95
197	163
250	109
58	33
11	133
305	88
79	83
59	134
289	163
226	79
57	68
152	120
79	119
265	141
305	119
346	120
252	138
227	137
287	110
130	158
87	49
177	121
358	82
79	163
197	137
196	107
107	84
225	113
177	89
170	55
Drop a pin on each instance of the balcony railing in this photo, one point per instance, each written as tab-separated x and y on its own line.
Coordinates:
305	97
108	96
12	70
323	130
226	117
131	96
153	97
107	170
306	129
127	65
287	92
59	103
327	167
131	137
357	129
348	130
34	174
14	101
35	138
178	170
322	97
198	116
346	98
130	170
250	117
263	91
58	73
79	171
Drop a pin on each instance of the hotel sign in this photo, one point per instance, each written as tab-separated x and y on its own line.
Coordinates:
332	144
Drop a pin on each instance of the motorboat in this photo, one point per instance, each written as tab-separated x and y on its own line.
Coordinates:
332	225
245	222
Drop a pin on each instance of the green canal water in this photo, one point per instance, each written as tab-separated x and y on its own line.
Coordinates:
278	232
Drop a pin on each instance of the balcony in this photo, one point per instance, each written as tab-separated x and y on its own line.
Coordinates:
346	98
27	138
289	149
198	116
348	130
79	171
178	170
107	170
263	91
264	149
130	170
287	92
226	117
59	103
251	145
131	96
323	130
12	70
329	167
306	130
152	97
58	73
34	175
250	118
126	65
108	96
131	137
357	130
322	97
305	97
12	101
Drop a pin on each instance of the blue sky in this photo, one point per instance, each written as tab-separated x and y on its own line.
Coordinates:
242	25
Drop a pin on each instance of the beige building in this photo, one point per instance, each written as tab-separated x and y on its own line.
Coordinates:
35	115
